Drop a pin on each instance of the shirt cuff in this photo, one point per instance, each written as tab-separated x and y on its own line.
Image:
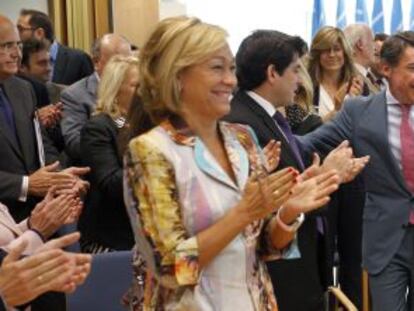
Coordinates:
24	190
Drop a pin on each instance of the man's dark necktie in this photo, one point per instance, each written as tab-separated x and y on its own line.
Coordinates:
377	82
7	112
284	126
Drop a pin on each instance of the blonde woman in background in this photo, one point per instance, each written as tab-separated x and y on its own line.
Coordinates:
301	114
104	223
204	226
332	71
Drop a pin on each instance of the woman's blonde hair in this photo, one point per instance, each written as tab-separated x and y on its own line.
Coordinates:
111	81
304	93
324	39
176	44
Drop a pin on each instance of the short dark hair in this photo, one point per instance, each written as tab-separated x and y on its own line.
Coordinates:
381	37
40	20
395	45
261	49
30	47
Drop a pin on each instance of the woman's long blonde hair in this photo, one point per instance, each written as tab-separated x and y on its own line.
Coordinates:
324	39
111	81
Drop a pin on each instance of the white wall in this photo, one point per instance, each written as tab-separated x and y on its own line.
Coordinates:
240	17
11	8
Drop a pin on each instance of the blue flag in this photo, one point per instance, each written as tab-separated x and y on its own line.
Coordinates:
361	13
318	16
396	17
377	21
341	14
412	16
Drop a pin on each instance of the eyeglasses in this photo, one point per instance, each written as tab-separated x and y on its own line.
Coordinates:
7	47
21	28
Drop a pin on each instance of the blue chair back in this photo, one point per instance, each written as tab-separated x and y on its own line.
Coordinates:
109	280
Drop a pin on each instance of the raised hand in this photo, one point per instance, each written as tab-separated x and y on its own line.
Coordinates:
22	280
41	180
339	159
81	262
310	194
358	164
357	86
49	216
265	195
272	154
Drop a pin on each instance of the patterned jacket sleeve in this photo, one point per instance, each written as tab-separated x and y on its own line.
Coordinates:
151	179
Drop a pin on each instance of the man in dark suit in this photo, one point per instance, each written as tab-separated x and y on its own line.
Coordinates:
68	65
24	151
267	72
35	68
382	126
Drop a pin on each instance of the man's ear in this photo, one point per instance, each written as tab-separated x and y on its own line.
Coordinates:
271	73
386	69
39	33
359	45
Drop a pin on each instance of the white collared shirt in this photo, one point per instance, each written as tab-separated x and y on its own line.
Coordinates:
361	69
264	103
268	107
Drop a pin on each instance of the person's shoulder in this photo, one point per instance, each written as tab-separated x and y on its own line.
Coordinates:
235	127
17	81
242	132
239	97
76	87
72	51
150	142
361	103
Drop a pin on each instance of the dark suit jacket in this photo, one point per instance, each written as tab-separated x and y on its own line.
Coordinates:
363	121
297	277
19	158
104	219
71	65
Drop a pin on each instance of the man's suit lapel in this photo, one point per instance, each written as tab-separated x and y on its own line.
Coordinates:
287	156
22	117
377	125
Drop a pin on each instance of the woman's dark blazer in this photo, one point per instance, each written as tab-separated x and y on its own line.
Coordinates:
104	218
